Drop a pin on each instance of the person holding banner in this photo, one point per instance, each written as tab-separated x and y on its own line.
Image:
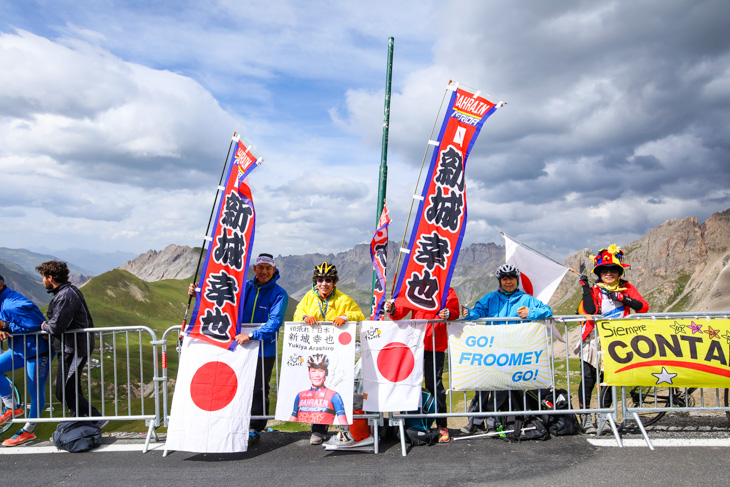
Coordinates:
324	302
264	301
436	341
506	302
611	297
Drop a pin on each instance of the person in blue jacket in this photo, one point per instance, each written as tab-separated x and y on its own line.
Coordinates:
507	301
18	315
264	301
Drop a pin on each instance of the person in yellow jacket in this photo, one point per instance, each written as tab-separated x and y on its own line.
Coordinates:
325	303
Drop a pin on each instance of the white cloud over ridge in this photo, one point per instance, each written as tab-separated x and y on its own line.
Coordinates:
118	117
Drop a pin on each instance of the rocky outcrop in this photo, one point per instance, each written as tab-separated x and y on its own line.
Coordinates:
174	262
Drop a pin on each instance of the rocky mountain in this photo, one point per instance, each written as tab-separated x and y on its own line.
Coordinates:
174	262
17	266
680	265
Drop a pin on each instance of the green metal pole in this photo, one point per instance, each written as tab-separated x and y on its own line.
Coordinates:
383	177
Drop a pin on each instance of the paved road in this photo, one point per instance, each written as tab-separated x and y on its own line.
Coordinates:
288	459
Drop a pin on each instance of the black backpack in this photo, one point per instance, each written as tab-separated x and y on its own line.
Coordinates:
77	436
418	430
536	429
559	424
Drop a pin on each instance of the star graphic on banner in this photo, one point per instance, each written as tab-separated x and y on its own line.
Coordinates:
712	332
726	336
678	329
695	328
664	376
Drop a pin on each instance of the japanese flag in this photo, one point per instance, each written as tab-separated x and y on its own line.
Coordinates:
211	408
392	363
539	275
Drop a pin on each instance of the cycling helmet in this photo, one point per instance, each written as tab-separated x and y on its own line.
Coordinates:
325	269
507	270
318	361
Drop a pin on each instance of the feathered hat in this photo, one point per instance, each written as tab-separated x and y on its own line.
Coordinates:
612	256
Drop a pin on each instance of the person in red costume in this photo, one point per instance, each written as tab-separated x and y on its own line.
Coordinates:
611	297
436	341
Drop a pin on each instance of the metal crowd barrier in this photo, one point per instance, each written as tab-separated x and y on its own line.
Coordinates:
650	404
374	419
120	385
557	329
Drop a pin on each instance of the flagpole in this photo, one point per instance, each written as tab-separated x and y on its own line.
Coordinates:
383	175
415	191
537	251
207	230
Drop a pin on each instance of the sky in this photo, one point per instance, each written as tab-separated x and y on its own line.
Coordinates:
115	118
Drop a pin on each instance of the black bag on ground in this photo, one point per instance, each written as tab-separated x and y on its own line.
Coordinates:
418	430
515	424
418	437
77	436
558	424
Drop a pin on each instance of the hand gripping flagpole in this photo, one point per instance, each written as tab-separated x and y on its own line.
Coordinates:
234	138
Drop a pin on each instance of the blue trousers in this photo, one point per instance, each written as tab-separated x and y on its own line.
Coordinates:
36	375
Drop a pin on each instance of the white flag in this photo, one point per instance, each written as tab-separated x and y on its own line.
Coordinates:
539	275
211	408
392	363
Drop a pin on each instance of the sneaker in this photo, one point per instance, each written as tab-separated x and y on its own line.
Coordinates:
587	424
315	439
8	414
253	437
19	438
472	428
444	435
342	438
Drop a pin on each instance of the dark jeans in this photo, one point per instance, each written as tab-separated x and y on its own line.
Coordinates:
261	388
68	383
436	389
589	380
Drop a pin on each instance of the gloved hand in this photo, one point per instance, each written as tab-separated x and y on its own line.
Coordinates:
389	306
615	296
583	280
310	320
339	321
445	314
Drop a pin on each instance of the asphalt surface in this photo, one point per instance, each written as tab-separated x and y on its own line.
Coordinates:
287	459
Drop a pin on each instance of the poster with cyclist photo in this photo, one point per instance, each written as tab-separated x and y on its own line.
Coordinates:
317	374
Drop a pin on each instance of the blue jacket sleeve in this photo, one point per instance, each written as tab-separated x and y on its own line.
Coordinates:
24	317
268	330
538	310
480	309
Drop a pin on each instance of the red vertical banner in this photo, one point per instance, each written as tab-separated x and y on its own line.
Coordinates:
218	304
441	218
379	256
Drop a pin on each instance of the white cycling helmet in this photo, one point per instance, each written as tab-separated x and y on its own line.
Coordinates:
507	270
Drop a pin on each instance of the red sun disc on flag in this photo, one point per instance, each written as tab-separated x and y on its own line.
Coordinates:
345	338
395	361
214	386
526	284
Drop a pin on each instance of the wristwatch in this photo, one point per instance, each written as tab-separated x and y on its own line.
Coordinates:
250	336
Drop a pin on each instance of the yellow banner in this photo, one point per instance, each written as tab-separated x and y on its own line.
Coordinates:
668	352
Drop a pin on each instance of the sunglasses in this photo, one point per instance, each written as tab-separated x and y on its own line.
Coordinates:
328	280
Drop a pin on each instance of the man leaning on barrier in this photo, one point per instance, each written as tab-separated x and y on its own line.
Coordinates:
264	301
68	311
18	314
324	302
611	297
435	332
506	301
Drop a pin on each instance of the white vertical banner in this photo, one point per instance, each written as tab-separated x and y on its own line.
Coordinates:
211	408
392	364
499	357
320	394
539	275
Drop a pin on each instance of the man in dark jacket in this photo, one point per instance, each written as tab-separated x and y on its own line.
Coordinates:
264	301
67	311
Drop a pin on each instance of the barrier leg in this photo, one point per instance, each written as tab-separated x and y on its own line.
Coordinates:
376	435
614	428
643	431
149	435
402	429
